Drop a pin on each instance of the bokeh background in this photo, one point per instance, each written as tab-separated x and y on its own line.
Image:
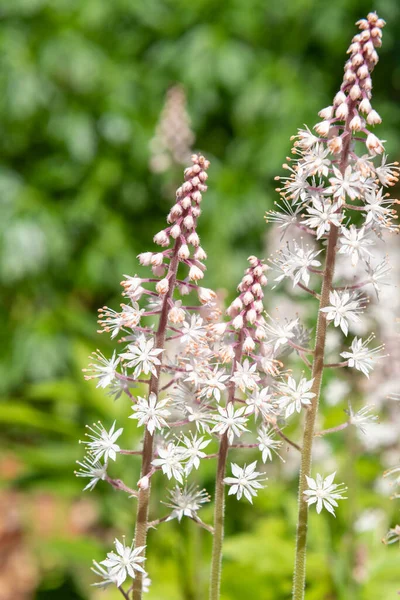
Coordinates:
83	188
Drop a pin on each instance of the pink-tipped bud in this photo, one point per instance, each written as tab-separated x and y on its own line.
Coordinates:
340	98
161	238
355	92
373	118
176	315
235	307
157	259
196	211
326	113
253	261
374	144
335	145
145	258
251	316
238	322
193	239
357	60
196	196
184	289
206	295
257	290
355	123
162	286
248	298
248	345
247	279
186	202
143	483
175	231
200	254
184	252
195	274
158	270
363	72
263	280
188	222
322	128
367	84
260	333
342	111
365	106
258	306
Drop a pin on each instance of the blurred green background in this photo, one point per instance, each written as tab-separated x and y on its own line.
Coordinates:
83	83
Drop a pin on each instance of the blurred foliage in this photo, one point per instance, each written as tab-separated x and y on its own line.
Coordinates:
83	83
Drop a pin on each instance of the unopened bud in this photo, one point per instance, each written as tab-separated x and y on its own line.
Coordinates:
162	286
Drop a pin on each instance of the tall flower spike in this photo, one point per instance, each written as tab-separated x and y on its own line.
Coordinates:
246	324
147	356
325	183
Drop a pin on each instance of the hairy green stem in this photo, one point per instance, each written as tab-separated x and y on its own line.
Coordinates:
142	514
219	506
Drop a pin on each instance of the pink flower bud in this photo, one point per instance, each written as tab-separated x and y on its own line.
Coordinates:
193	239
342	111
373	118
248	298
186	202
251	316
143	483
260	333
238	322
374	144
355	92
184	252
335	145
162	286
340	98
253	260
355	123
196	197
161	238
219	328
158	270
195	273
200	254
206	295
176	315
365	106
258	306
175	231
322	128
326	113
363	72
248	345
157	259
145	258
188	222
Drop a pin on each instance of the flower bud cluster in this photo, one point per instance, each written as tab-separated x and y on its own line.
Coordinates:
247	308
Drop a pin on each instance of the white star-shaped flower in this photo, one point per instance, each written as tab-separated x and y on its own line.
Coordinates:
102	442
324	493
344	306
230	421
293	396
246	376
246	481
354	242
124	562
321	215
150	412
142	356
361	357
